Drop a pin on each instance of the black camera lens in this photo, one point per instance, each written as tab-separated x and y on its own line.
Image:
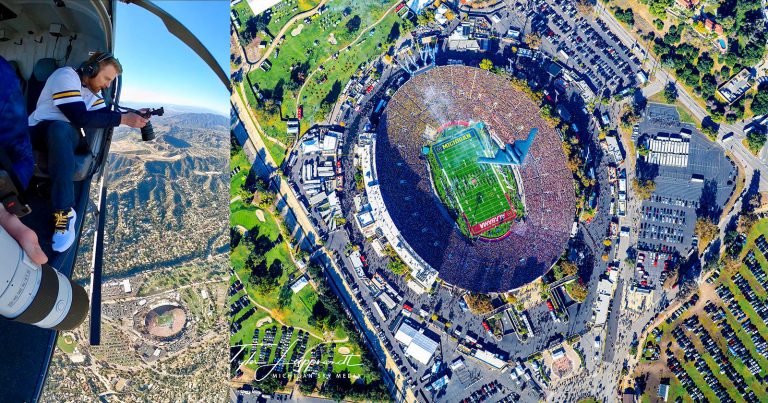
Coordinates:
147	132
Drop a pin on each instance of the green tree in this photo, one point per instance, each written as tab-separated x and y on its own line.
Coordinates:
397	266
756	139
670	92
705	230
725	72
643	188
478	303
705	62
533	40
585	7
353	25
577	290
673	35
486	64
284	299
643	150
708	85
760	100
568	268
659	7
625	15
253	26
426	17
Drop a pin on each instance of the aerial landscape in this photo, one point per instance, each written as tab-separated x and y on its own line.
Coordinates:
164	285
497	200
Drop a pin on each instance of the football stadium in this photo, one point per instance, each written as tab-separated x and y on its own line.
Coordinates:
483	227
165	321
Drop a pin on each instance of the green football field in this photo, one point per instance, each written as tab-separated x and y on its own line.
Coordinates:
478	188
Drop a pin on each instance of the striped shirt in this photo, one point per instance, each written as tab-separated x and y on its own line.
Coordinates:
63	87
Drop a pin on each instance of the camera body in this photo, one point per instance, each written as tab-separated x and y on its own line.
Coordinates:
147	132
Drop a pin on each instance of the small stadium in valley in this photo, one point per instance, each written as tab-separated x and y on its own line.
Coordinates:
484	223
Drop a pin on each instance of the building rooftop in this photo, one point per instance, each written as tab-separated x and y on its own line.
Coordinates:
605	289
299	284
417	345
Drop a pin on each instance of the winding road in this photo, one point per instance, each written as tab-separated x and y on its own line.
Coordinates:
734	144
298	95
282	32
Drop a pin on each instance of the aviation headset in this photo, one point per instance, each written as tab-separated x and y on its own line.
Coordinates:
92	69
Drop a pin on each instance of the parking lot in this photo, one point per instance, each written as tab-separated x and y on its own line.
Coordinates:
651	269
718	350
586	45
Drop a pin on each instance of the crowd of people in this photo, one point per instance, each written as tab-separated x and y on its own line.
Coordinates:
452	93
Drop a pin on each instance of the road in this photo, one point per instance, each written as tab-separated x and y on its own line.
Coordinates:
745	157
302	221
282	32
363	32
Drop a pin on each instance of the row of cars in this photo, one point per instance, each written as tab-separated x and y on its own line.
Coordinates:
681	310
725	367
642	275
690	386
735	346
608	63
484	393
691	354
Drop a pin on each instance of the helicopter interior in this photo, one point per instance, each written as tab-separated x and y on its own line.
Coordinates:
38	36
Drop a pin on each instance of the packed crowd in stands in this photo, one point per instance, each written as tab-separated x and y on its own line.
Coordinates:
451	93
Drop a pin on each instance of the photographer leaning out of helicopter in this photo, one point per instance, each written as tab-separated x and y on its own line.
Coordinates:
70	101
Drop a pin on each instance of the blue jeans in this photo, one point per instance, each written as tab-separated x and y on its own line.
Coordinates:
61	140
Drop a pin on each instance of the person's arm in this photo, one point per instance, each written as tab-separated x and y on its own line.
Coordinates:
79	116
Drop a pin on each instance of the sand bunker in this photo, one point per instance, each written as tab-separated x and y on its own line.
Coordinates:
263	321
344	350
260	215
296	31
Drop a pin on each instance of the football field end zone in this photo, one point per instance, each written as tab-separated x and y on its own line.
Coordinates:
491	223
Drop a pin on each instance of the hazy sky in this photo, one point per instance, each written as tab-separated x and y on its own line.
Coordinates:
159	69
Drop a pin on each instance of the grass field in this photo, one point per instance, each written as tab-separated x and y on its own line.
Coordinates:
165	319
244	13
477	191
310	48
285	10
295	315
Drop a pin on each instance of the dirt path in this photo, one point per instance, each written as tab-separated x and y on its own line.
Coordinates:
283	31
306	81
706	293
